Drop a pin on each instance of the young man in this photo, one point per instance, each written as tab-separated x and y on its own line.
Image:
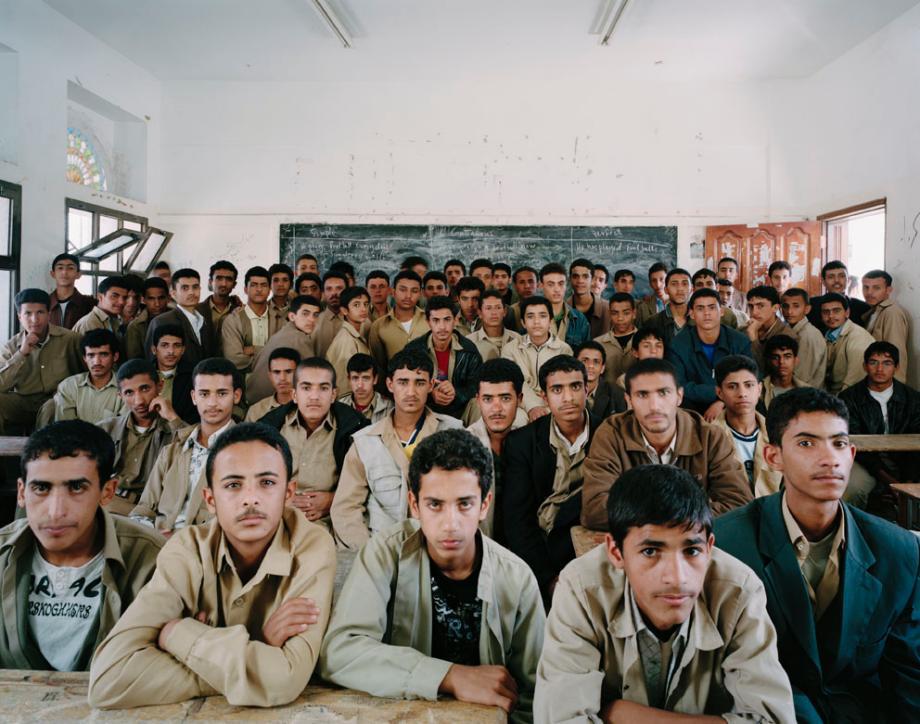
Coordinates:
435	285
168	351
583	299
765	322
531	351
698	348
781	355
146	427
93	395
624	282
67	303
340	265
646	343
727	296
525	285
454	270
161	270
372	492
886	320
309	284
501	281
569	325
543	471
281	277
221	281
846	344
481	269
245	331
363	377
132	308
836	280
33	362
172	497
728	270
657	431
306	263
617	343
156	299
492	336
432	605
706	279
655	302
330	320
318	430
604	399
377	284
811	367
237	607
455	359
675	315
405	322
111	296
843	587
297	334
351	339
469	291
68	570
780	275
281	365
599	279
655	621
197	327
739	388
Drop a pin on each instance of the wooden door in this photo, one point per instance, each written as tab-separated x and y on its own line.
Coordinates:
756	247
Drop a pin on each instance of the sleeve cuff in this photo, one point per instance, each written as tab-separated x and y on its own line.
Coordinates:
182	638
425	679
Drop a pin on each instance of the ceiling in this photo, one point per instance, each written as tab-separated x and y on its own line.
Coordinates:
457	40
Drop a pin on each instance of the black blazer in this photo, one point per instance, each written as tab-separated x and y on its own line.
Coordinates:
608	400
195	351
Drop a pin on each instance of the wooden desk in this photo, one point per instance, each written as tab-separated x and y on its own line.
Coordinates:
585	539
58	696
886	443
12	447
908	495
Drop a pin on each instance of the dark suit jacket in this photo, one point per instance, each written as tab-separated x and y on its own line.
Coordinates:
194	351
874	673
608	400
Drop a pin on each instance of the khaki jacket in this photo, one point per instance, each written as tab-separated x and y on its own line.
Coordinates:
258	384
598	314
236	333
387	337
529	358
646	308
766	481
729	668
619	358
381	408
135	334
77	399
757	345
379	637
130	552
132	475
812	366
487	349
892	324
347	343
769	390
702	449
40	371
96	319
261	408
845	357
227	654
327	327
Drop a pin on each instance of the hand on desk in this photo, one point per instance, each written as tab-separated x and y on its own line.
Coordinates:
489	685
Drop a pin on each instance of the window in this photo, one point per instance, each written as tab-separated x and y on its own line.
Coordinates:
85	224
856	236
10	228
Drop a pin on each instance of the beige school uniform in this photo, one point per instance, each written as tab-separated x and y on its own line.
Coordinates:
96	319
766	481
261	409
78	399
379	407
812	366
771	392
347	343
135	334
526	355
327	327
845	357
258	385
387	336
491	347
237	332
619	358
890	322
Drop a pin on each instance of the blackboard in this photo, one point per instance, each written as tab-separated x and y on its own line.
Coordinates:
375	246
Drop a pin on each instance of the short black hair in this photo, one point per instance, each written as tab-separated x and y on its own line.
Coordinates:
411	261
676	271
225	265
248	432
623	298
623	273
114	282
315	363
658	266
134	283
410	359
408	275
167	330
499	370
438	303
33	296
302	299
764	291
779	264
435	275
281	268
728	258
520	269
218	366
99	338
586	263
307	276
256	271
561	363
480	264
646	332
835	264
704	272
162	264
155	283
501	266
70	438
797	292
882	347
135	367
552	268
469	284
835	297
451	450
65	257
288	353
591	344
650	366
703	294
309	257
536	301
184	273
361	362
352	293
377	274
492	294
656	495
343	266
734	363
879	274
789	405
778	342
455	262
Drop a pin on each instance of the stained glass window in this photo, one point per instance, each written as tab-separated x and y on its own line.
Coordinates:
83	167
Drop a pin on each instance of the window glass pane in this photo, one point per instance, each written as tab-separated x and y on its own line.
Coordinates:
133	225
107	224
6	292
6	209
148	252
79	228
84	284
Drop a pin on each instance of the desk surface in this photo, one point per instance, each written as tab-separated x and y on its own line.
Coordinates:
52	695
12	446
886	443
585	539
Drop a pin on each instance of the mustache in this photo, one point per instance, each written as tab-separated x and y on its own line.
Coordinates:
250	512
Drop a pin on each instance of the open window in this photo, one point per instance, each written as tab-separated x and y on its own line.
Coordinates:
10	230
123	251
856	236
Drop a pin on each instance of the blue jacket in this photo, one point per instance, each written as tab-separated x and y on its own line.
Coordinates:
873	672
694	371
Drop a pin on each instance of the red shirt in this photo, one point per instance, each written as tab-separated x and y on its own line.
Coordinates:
443	363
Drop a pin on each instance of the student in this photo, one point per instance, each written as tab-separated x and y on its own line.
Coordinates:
617	343
498	399
886	320
492	336
377	284
93	395
698	348
405	322
330	319
161	270
432	606
237	607
245	331
222	278
599	279
364	399
655	302
843	587
454	270
33	362
281	278
281	365
739	388
481	269
351	338
728	269
525	285
594	308
306	263
655	620
455	359
308	284
604	399
111	296
145	428
469	291
435	285
198	330
68	570
811	367
646	343
67	303
172	497
531	351
156	299
707	279
624	282
780	275
657	431
675	315
766	322
372	492
318	430
340	265
836	280
501	282
543	471
173	371
569	325
135	286
781	354
846	344
297	334
727	295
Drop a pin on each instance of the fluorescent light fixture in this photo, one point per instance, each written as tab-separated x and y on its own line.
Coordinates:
335	24
607	19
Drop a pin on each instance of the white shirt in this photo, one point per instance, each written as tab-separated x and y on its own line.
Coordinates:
406	325
882	399
580	441
195	319
259	326
196	465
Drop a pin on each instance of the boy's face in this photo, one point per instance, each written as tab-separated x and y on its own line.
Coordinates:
168	351
281	285
483	274
362	384
598	281
553	286
454	273
435	288
307	265
834	315
305	318
875	291
314	393
492	311
525	284
657	281
248	491
61	498
655	398
410	389
679	289
406	294
332	290
740	392
155	300
625	284
728	270
566	396
536	322
33	318
450	507
781	280
379	289
666	568
580	276
880	368
469	303
501	279
65	273
704	281
281	375
593	362
214	397
781	362
222	283
795	309
99	361
309	288
358	309
113	301
649	348
137	393
836	280
761	310
257	290
707	313
498	403
441	322
187	291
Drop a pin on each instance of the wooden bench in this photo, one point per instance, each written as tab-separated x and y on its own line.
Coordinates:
60	696
886	443
908	495
12	447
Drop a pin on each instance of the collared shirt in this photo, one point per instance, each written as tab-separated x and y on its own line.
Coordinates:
195	318
567	480
199	457
78	399
259	326
666	457
314	462
818	560
833	334
571	448
659	658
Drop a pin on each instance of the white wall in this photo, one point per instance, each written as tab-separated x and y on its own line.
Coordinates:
51	50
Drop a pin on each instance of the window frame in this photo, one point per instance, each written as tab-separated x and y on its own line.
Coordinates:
12	262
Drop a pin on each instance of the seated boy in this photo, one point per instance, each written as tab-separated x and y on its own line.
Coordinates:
68	569
654	620
237	607
433	606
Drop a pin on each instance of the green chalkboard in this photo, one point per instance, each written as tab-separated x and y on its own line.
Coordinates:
375	246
